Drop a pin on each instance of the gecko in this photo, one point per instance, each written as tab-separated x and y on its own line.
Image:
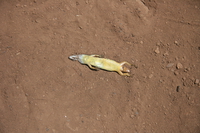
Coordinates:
95	62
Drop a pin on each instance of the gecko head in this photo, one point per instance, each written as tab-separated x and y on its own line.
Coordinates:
74	57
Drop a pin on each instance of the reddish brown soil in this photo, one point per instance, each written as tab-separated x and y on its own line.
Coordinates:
42	91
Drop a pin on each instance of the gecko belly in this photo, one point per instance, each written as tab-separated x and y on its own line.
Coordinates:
106	64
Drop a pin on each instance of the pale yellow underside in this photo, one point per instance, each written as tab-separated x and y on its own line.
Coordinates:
101	63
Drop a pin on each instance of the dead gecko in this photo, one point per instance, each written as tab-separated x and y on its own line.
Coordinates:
95	62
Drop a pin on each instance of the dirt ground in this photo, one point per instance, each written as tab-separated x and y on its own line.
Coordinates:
42	91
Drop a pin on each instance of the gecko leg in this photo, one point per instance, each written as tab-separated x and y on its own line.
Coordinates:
123	74
122	63
90	66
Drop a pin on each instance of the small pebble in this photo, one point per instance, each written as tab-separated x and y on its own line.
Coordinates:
176	42
150	76
187	69
17	5
158	44
171	69
170	65
176	73
178	88
157	51
17	53
166	53
196	81
179	66
37	21
131	116
161	81
135	65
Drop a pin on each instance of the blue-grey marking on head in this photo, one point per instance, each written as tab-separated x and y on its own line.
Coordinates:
74	57
77	57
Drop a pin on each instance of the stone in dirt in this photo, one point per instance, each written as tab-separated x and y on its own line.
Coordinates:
157	51
176	73
179	66
170	65
196	81
176	42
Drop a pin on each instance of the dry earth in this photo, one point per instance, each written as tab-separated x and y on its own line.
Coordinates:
42	91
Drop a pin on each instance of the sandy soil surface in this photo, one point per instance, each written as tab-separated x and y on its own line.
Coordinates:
42	91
